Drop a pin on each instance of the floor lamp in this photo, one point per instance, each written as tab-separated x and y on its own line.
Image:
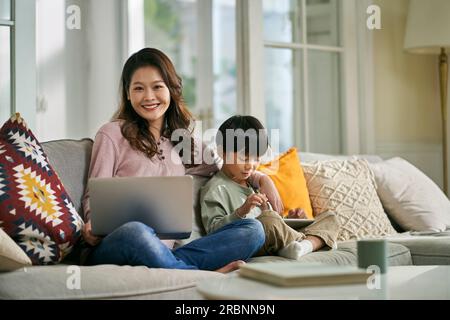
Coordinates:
428	32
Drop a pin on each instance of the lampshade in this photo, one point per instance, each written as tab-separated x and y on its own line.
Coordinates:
428	26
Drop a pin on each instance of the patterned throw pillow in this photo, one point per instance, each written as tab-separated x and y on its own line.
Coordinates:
347	187
35	210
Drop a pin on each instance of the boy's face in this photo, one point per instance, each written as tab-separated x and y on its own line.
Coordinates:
239	166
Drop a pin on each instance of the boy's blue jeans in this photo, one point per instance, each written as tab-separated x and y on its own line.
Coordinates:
135	244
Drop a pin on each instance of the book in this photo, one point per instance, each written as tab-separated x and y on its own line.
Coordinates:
298	274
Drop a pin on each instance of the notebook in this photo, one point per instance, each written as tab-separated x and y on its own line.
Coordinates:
298	274
162	203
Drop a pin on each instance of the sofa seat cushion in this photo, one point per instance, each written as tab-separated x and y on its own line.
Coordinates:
397	254
346	254
96	282
426	250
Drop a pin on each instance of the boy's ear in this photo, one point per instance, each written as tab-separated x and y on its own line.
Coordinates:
220	151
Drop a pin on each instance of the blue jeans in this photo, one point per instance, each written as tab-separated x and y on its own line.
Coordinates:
135	243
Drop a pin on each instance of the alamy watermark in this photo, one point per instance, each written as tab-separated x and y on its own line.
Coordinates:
374	281
73	281
73	19
199	147
374	19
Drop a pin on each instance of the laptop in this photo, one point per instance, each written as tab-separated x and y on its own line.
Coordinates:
163	203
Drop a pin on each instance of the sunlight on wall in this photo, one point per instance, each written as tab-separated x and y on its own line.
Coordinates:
50	46
406	93
78	68
136	30
406	86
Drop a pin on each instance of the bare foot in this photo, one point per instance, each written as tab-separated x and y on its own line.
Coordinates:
234	265
316	242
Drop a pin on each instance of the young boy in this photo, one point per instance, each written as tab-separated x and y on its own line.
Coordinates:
241	141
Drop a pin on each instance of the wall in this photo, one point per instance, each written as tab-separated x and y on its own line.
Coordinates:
78	70
51	57
406	95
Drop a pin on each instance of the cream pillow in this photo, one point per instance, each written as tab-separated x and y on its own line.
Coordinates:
347	188
412	199
11	255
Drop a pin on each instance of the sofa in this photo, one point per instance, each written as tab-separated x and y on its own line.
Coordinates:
70	159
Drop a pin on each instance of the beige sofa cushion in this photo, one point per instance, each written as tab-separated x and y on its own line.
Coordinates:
97	282
426	250
125	282
11	255
347	188
347	254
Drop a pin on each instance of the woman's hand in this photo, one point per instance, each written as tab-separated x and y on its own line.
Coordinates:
297	213
88	236
253	200
268	188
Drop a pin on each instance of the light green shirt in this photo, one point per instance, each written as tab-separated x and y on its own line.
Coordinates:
220	197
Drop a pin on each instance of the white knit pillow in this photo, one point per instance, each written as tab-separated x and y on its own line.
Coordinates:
11	255
347	188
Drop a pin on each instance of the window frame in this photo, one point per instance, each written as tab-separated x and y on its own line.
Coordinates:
251	80
23	59
11	25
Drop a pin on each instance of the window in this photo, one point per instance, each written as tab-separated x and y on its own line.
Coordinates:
6	36
17	59
302	54
199	37
289	70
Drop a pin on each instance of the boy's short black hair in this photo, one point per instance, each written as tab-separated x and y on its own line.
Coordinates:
243	133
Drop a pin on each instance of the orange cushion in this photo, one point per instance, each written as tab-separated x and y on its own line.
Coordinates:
287	174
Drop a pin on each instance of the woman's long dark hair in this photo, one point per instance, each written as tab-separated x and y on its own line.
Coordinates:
136	129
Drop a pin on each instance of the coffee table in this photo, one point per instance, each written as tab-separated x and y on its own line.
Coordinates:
401	282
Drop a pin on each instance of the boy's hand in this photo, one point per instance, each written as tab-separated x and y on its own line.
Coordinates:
297	213
253	200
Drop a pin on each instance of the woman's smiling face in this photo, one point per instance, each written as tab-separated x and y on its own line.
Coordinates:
149	95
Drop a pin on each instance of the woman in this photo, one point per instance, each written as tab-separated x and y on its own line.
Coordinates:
137	143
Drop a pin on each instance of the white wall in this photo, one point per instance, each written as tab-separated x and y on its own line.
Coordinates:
50	60
105	54
78	70
406	96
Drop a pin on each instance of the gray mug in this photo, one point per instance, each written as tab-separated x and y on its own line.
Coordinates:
372	252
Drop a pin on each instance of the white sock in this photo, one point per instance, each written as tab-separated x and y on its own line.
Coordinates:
296	249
